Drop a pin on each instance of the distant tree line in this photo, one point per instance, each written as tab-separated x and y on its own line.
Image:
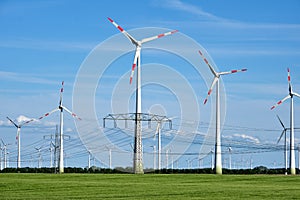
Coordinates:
119	170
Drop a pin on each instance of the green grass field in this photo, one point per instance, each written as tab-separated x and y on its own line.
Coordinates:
149	186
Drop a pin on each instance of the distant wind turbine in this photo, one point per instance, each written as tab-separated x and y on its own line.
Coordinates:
138	157
292	140
40	156
218	158
61	108
18	138
4	149
285	146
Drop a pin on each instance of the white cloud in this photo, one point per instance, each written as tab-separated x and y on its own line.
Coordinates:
68	130
247	138
20	120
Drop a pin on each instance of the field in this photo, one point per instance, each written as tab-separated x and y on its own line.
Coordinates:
149	186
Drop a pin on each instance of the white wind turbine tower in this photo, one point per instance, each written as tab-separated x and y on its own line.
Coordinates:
18	137
138	155
218	155
158	132
292	141
61	108
0	158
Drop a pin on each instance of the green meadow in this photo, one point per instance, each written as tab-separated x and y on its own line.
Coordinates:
148	186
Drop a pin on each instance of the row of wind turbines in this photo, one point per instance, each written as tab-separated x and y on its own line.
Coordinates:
137	160
138	154
138	163
60	108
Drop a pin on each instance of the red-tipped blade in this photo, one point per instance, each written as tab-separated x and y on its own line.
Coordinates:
158	36
134	41
73	114
289	76
233	71
47	114
132	72
240	70
280	102
61	93
210	67
210	89
136	57
115	24
62	86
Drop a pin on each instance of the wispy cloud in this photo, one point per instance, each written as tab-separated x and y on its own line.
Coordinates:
25	78
186	7
207	17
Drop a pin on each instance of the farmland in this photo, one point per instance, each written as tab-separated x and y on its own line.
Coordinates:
148	186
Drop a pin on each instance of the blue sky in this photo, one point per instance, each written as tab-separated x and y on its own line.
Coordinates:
45	42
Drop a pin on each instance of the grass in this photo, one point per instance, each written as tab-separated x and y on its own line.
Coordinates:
149	186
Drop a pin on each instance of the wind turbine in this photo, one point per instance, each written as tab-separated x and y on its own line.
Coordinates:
40	156
285	146
4	149
61	108
292	140
218	155
230	153
138	157
18	137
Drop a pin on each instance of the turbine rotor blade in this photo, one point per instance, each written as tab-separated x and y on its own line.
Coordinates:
296	94
135	60
61	93
211	88
158	36
289	80
210	67
26	122
73	114
233	71
289	75
280	136
12	122
281	122
49	113
134	41
280	102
